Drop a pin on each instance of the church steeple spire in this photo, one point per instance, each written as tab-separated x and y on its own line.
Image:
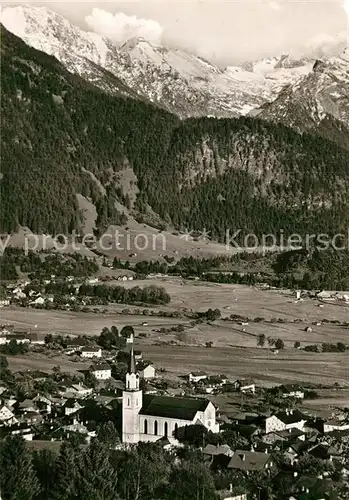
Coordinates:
132	377
132	362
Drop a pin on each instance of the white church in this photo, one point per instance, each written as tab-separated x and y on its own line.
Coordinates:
149	418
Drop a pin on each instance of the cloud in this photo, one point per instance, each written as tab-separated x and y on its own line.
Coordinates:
120	27
274	5
324	45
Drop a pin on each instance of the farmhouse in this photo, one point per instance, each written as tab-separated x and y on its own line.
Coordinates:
245	386
6	416
146	371
335	424
150	417
290	392
91	352
101	371
196	376
288	419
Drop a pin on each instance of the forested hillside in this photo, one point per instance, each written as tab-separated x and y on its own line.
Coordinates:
202	173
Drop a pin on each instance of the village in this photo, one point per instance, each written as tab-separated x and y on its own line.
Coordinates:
251	383
269	432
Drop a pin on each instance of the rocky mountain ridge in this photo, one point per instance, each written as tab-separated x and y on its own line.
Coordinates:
63	139
177	81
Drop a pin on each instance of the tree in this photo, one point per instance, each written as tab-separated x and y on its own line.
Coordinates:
341	347
127	331
97	479
66	486
45	466
5	373
143	470
90	380
107	434
191	480
297	344
18	480
261	340
213	314
279	344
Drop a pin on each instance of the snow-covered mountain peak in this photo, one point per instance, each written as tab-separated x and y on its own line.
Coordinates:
181	82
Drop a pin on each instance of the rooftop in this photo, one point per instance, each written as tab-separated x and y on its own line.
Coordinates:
173	407
290	416
100	366
248	460
90	349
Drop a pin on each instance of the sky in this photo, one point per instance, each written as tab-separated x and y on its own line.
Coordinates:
224	32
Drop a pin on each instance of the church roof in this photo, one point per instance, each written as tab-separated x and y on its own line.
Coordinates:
173	407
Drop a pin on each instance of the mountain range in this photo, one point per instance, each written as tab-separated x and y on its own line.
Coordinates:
176	80
67	143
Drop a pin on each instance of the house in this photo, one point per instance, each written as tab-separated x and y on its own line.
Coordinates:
91	352
28	405
101	371
289	392
38	301
324	451
20	338
285	420
146	371
214	383
92	281
250	461
212	451
138	355
334	424
293	450
43	403
245	386
148	417
81	429
35	339
73	390
196	377
228	495
7	417
71	406
324	295
22	429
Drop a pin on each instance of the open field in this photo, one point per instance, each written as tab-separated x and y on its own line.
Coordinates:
70	323
226	333
234	351
243	300
35	361
262	365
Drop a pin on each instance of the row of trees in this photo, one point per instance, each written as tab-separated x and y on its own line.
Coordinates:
149	294
40	265
96	472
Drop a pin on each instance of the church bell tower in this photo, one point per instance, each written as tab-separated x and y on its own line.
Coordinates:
132	398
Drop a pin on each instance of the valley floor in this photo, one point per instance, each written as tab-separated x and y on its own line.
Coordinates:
234	352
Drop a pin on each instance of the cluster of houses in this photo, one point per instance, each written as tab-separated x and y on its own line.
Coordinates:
75	408
19	335
213	384
21	292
